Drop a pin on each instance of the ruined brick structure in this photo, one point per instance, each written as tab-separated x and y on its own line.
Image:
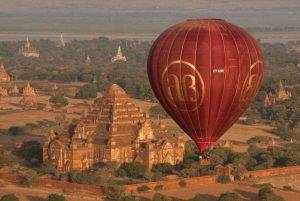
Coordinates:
280	95
113	129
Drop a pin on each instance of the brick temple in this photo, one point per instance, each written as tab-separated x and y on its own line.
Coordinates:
113	129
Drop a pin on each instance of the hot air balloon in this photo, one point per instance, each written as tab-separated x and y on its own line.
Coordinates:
205	73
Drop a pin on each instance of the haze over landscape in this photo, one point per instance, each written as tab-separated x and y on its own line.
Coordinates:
141	18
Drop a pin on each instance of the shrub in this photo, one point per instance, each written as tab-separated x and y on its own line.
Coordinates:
259	139
229	197
158	187
182	183
143	188
31	152
28	178
287	188
7	158
114	192
165	168
199	197
223	179
160	197
9	197
56	197
266	194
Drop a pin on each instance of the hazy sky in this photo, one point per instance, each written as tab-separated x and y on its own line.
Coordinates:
140	16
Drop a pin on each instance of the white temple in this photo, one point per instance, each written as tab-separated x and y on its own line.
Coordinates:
29	51
119	56
88	61
61	42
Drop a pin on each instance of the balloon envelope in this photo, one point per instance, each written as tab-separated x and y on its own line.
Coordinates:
205	73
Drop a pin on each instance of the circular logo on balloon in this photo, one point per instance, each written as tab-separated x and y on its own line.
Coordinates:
183	85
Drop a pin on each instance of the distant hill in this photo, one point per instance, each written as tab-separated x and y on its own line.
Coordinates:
141	16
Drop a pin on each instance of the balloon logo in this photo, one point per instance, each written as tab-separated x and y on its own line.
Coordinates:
183	92
205	73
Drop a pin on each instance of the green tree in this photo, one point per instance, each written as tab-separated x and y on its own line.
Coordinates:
165	168
9	197
87	91
134	169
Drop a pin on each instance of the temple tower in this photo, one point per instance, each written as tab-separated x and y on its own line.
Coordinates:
28	50
4	77
119	56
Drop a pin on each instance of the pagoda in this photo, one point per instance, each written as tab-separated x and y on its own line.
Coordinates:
119	56
14	90
4	77
61	43
29	96
88	61
3	91
28	50
281	95
114	129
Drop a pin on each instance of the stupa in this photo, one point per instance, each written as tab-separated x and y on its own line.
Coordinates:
3	91
29	96
281	95
119	56
61	42
28	50
4	77
14	90
88	61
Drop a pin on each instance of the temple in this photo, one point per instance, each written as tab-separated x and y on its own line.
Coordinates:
29	96
61	43
113	129
14	90
280	95
88	61
3	91
4	77
28	50
119	56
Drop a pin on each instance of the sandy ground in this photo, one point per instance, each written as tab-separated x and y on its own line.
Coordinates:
213	191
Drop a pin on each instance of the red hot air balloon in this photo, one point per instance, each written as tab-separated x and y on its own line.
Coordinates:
205	73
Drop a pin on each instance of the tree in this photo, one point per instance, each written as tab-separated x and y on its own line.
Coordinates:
56	197
58	100
165	168
15	130
87	91
134	169
9	197
229	197
160	197
31	152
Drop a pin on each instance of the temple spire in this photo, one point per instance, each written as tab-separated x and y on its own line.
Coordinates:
119	56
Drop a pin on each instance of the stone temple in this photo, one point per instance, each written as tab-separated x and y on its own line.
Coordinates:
4	77
281	95
114	129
